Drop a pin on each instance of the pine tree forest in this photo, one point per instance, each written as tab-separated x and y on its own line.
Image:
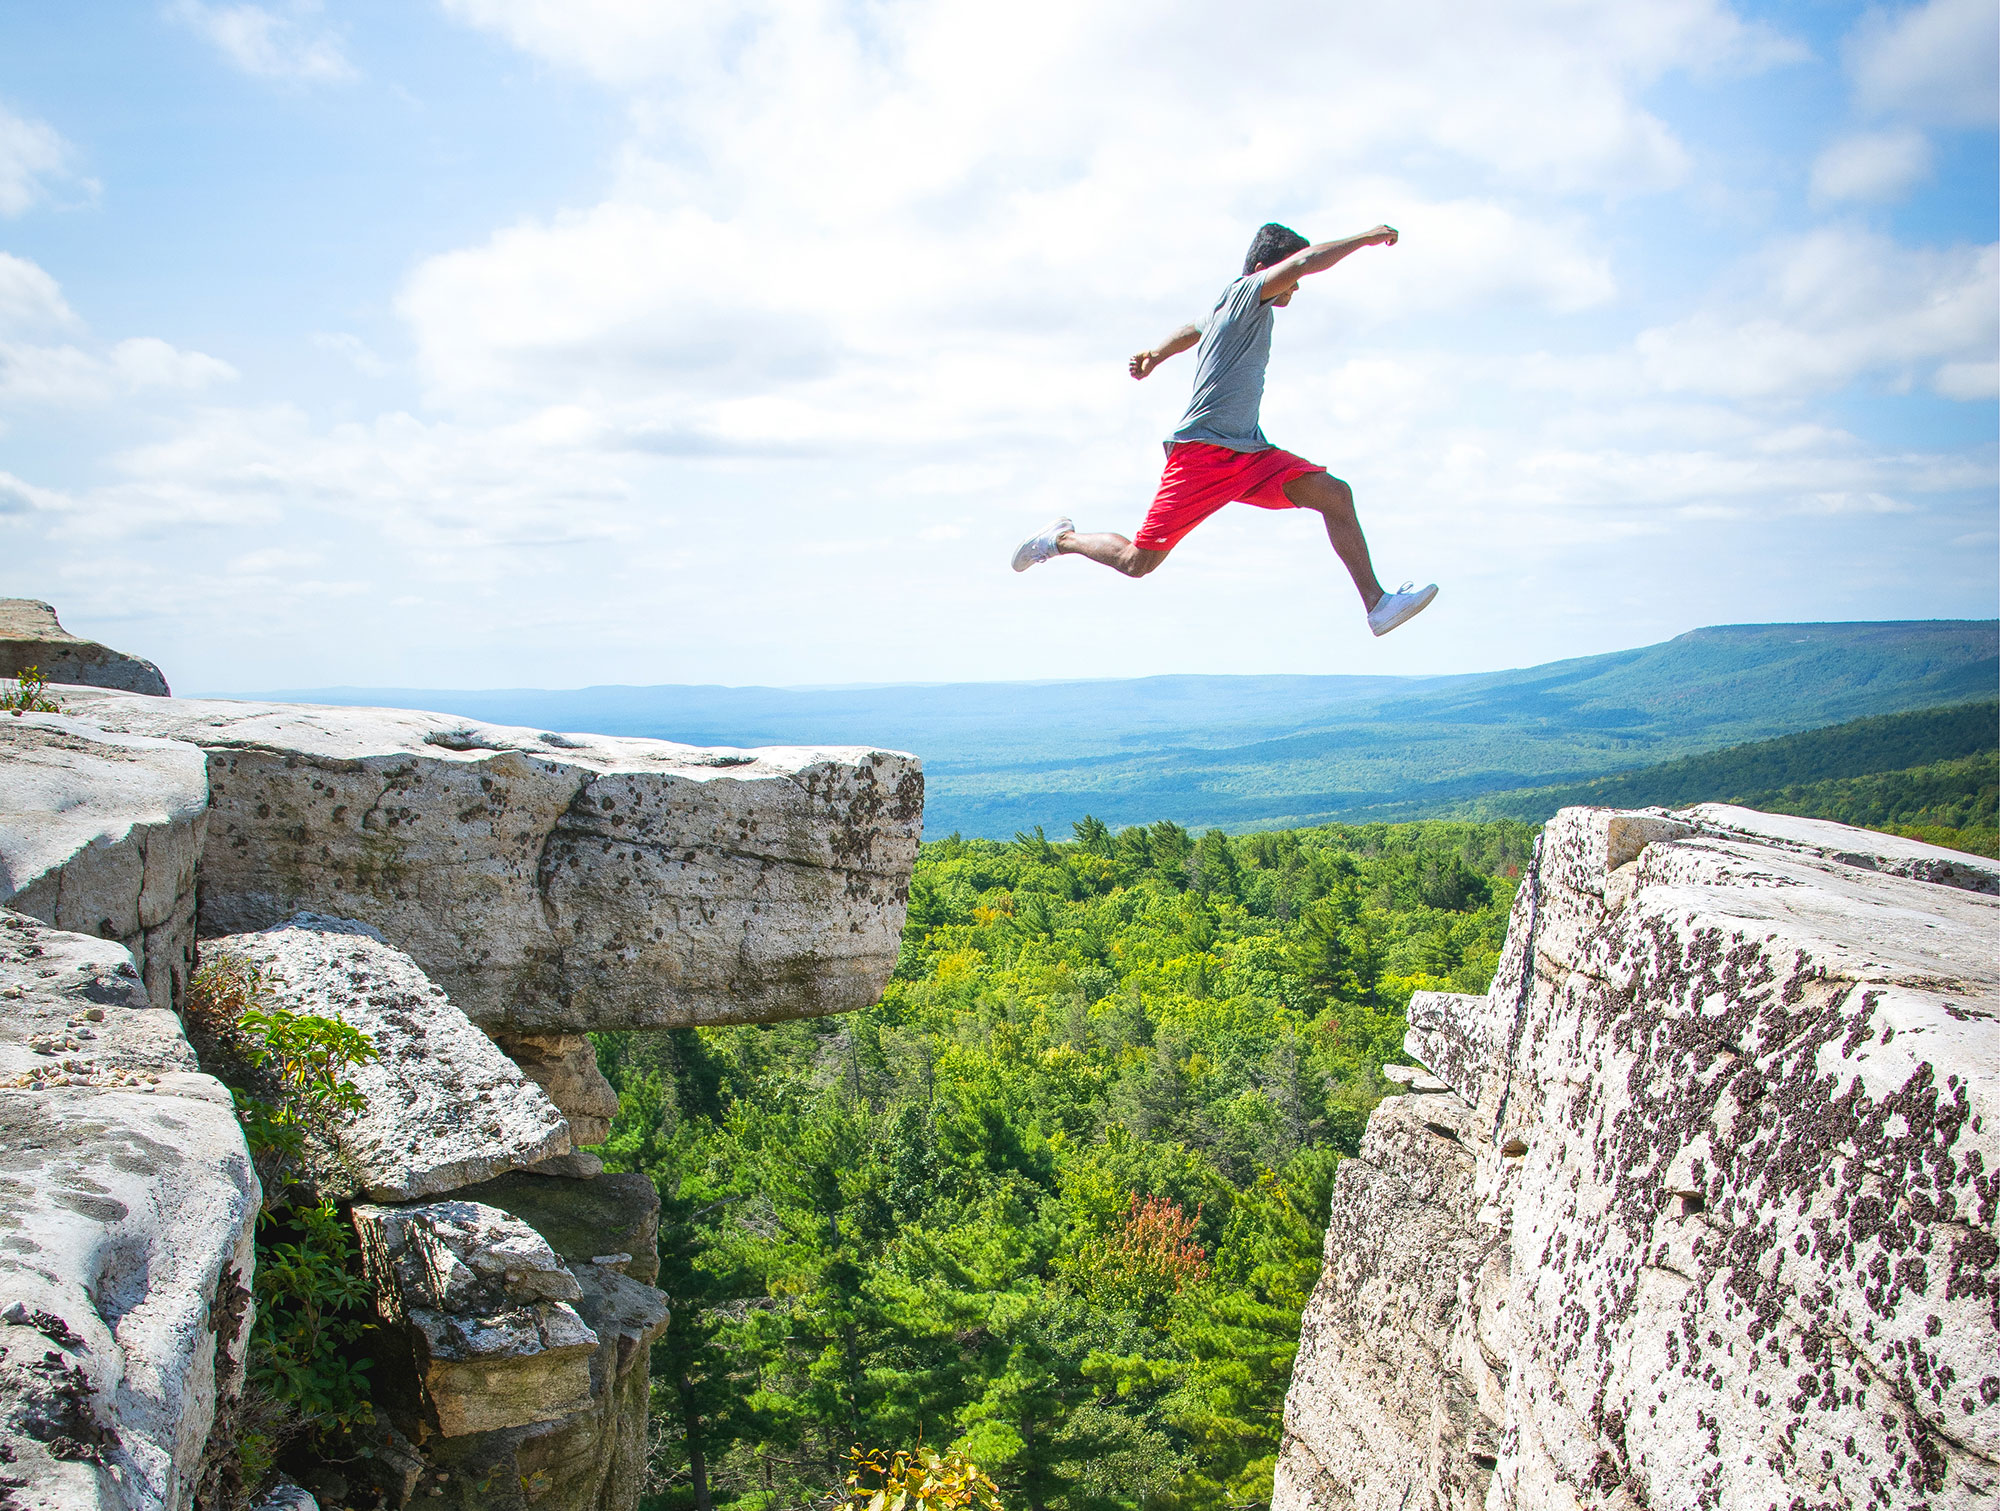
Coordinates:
1057	1201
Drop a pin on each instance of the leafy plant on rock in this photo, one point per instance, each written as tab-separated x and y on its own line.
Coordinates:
29	694
306	1383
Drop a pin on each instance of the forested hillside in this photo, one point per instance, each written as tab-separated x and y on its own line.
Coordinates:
1800	768
1059	1197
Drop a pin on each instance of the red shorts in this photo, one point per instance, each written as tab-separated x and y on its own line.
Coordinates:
1200	479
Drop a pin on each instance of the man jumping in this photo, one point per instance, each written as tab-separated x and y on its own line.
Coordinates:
1219	454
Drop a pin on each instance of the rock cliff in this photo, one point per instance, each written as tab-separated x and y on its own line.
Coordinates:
551	883
474	901
30	636
1698	1208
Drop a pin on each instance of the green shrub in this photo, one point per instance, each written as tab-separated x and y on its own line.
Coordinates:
306	1380
29	695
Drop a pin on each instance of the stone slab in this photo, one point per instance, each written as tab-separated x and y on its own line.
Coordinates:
31	636
583	1220
565	1067
100	834
445	1108
556	883
127	1205
1863	849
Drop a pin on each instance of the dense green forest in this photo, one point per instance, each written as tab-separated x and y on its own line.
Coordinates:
1059	1197
1950	803
1930	773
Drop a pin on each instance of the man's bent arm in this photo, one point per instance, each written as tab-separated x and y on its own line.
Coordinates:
1317	259
1178	342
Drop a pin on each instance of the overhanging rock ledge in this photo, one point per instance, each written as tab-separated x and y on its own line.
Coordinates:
556	883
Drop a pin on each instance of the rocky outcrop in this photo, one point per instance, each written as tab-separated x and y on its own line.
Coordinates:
484	1303
100	834
555	884
445	1108
1707	1215
565	1067
574	1449
460	894
126	1204
30	636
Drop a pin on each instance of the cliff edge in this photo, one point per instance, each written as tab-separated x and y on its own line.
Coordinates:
1698	1207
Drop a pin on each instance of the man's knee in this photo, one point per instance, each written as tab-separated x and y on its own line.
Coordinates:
1142	563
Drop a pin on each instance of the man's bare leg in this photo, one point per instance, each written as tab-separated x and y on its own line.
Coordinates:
1331	499
1112	549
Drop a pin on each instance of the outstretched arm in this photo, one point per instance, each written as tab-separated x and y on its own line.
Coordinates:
1179	341
1285	275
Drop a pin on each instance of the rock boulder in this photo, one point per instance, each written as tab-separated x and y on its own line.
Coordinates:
445	1107
555	883
487	1308
100	834
30	636
1723	1235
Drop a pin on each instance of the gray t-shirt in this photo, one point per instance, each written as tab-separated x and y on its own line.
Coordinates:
1229	370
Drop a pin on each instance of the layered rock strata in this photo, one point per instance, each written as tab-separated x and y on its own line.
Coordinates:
100	834
126	1209
556	884
444	1107
485	1305
30	636
565	1067
1707	1215
580	1442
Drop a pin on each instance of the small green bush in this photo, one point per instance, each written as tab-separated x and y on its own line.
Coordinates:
29	695
306	1380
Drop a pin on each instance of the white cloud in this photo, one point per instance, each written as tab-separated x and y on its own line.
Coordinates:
266	43
1832	306
29	297
1937	61
148	362
1542	92
33	158
30	371
1872	165
1968	380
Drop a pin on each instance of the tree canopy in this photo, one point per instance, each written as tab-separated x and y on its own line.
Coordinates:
1056	1203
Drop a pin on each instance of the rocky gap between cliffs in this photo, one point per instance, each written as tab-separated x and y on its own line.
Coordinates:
1694	1208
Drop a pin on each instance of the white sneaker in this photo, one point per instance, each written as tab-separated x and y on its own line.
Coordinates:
1037	549
1396	607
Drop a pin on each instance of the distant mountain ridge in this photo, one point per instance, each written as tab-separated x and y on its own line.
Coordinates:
1263	751
1817	764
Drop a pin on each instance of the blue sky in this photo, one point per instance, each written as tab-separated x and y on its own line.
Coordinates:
549	342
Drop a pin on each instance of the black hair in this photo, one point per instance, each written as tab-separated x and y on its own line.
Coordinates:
1272	244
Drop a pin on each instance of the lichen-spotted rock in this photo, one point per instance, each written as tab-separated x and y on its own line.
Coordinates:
443	1106
557	883
1731	1104
127	1204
